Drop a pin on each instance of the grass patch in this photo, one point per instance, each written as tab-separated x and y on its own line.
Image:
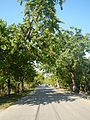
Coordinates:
6	101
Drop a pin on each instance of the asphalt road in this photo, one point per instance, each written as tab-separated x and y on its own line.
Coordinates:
48	104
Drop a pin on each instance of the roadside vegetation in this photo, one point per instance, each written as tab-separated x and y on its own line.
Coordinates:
6	101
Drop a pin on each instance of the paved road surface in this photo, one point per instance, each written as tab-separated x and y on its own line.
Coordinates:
47	104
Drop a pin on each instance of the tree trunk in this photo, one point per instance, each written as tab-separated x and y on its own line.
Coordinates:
8	88
73	81
2	89
57	83
18	88
22	85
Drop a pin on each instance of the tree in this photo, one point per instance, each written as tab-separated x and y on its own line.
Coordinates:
70	50
16	58
40	23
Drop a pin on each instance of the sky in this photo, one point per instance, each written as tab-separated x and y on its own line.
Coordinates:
75	13
11	11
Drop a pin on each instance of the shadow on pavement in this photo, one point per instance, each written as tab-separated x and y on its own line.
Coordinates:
46	95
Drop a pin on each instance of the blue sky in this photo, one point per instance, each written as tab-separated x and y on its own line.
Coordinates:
11	11
75	13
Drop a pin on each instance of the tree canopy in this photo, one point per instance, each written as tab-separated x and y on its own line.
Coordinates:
39	39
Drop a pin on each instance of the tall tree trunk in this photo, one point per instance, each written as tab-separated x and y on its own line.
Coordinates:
22	85
73	81
8	87
57	83
2	89
18	88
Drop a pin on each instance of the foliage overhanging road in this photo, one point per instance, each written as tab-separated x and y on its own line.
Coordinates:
47	104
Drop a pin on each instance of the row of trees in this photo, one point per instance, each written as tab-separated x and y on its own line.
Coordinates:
16	61
23	44
39	39
71	67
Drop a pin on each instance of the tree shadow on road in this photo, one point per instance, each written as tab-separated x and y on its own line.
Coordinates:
46	96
